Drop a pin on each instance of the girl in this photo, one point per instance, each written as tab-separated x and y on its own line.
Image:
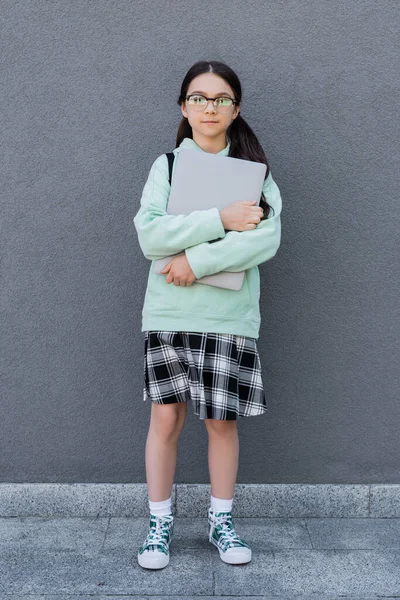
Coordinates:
200	341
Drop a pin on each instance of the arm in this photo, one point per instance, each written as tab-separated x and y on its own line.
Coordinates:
161	234
241	250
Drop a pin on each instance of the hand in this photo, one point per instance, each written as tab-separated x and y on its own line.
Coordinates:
241	216
178	271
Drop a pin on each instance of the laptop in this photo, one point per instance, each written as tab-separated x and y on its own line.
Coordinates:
203	180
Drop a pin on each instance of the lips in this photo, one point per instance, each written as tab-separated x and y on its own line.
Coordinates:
210	121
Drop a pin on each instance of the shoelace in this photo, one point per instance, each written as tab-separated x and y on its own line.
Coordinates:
227	527
155	535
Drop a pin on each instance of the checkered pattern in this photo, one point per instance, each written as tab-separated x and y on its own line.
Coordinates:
160	534
221	532
219	372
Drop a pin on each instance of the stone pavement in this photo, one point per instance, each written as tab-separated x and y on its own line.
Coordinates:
83	557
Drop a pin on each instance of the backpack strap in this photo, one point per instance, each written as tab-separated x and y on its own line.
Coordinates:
170	156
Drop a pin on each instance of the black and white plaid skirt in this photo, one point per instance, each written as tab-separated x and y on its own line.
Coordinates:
219	372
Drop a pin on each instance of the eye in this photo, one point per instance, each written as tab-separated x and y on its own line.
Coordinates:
196	99
224	101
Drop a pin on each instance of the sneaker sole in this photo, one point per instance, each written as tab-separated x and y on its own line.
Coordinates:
153	559
237	558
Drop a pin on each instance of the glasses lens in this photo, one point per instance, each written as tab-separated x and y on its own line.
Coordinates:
197	102
224	104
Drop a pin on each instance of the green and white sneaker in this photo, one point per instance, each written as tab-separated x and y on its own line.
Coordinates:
154	553
221	533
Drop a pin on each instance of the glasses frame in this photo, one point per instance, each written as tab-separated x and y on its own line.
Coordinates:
234	102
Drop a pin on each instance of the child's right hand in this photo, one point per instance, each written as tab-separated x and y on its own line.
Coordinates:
241	216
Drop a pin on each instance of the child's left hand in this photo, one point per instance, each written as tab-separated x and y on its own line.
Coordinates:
178	271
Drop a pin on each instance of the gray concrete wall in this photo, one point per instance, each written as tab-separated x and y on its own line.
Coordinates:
81	89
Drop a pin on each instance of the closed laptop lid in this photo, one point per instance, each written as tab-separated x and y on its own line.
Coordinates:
203	180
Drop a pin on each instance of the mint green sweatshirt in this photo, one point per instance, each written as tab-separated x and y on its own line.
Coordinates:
200	307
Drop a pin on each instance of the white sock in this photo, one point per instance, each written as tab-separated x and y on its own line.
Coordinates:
161	508
220	504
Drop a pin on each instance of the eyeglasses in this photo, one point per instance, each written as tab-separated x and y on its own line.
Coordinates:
222	104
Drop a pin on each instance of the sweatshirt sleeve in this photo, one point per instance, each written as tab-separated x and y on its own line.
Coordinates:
161	234
241	250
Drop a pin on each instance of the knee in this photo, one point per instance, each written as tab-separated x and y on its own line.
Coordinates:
220	427
168	419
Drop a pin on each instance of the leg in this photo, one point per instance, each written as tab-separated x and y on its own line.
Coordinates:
223	456
162	448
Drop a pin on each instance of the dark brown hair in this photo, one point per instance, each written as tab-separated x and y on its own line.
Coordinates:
243	141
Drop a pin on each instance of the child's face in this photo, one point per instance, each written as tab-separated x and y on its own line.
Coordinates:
210	85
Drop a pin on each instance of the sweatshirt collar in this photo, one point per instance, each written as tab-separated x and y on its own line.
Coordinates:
190	143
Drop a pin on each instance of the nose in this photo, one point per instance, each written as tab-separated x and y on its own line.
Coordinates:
208	104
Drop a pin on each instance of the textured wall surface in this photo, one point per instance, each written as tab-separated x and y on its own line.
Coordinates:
88	101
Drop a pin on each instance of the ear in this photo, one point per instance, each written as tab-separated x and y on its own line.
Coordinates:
236	111
183	109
